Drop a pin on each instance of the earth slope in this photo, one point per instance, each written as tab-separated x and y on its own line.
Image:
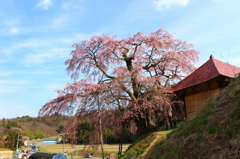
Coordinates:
213	132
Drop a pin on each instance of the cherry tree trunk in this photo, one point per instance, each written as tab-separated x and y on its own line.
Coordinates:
147	124
100	127
121	139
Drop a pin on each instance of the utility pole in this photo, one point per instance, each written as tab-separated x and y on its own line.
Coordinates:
63	135
17	141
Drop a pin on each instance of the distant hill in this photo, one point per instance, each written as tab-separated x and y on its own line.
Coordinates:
41	124
212	133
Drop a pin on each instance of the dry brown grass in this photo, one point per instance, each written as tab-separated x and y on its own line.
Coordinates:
58	148
212	133
159	137
6	154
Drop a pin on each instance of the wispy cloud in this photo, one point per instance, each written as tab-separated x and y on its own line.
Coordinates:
60	22
45	56
40	50
10	73
160	4
14	30
74	4
33	43
14	82
65	5
218	0
10	26
12	86
5	55
4	74
44	4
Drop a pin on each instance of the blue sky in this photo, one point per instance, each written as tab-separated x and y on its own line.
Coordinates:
36	38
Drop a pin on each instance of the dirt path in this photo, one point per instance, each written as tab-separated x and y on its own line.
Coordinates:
160	136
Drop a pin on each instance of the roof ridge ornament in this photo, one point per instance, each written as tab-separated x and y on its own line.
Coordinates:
211	57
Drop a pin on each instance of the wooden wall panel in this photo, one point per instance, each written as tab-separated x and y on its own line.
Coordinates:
193	102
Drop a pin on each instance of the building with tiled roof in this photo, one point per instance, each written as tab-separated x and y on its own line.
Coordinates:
203	83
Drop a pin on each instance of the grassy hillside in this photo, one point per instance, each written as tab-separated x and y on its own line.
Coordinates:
142	145
212	133
48	127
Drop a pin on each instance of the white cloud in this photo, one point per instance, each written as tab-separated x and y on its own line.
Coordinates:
33	43
59	22
12	86
5	56
14	82
217	0
73	4
44	4
4	74
8	73
40	50
11	26
42	57
14	30
6	52
160	4
66	5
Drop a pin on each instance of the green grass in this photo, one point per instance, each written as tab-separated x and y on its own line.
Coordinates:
169	133
199	136
213	132
139	148
43	149
212	129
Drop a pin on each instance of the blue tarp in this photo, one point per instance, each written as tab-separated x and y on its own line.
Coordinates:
49	139
59	156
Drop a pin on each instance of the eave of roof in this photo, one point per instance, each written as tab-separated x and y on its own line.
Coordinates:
209	70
